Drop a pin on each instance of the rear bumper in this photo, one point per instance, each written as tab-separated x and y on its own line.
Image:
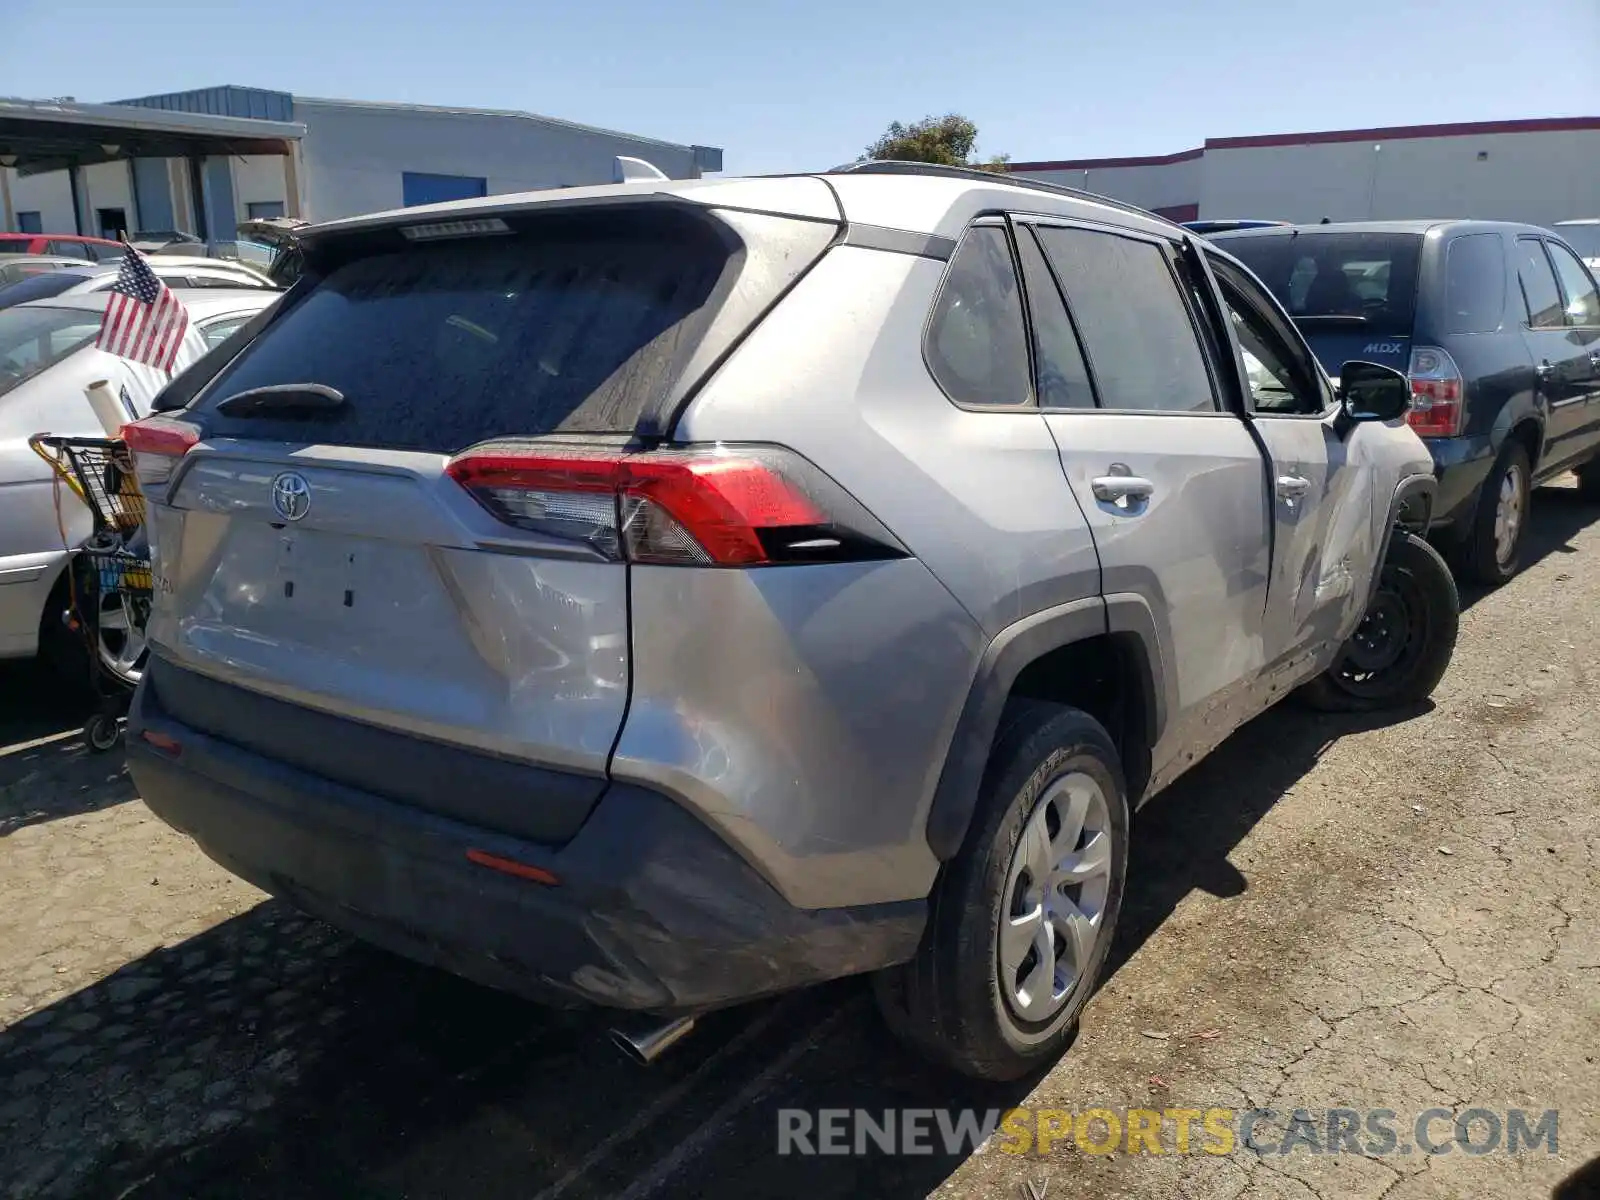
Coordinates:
1461	465
652	912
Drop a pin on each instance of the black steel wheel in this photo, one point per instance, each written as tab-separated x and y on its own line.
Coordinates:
1404	643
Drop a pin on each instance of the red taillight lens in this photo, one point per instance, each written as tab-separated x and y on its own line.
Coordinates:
1438	397
157	443
714	506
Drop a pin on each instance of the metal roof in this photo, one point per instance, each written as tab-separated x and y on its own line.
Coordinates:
49	135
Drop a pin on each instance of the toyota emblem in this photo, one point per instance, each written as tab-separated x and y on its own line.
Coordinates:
291	496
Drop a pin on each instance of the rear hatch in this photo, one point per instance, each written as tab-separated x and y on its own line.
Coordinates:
332	595
1352	294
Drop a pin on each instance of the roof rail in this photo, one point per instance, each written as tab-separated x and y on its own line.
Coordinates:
881	166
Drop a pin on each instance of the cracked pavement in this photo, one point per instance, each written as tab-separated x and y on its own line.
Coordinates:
1330	913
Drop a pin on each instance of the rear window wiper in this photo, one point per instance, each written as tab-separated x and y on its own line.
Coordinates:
1331	319
281	398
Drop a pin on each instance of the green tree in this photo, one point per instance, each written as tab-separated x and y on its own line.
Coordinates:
944	141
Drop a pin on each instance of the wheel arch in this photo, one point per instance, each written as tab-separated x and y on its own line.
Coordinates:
1095	654
1411	509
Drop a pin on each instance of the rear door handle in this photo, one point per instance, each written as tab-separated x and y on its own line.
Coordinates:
1293	487
1124	489
1544	371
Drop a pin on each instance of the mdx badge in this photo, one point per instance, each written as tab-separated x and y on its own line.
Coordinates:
291	496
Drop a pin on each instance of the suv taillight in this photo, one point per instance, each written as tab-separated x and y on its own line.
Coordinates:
1438	400
157	443
712	506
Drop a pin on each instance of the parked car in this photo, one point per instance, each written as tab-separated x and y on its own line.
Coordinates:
277	233
817	596
14	268
1583	235
47	358
174	271
1206	228
1498	327
62	245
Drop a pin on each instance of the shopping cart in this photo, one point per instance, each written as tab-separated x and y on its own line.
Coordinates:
110	572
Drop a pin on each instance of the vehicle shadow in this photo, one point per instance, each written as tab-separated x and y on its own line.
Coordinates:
272	1056
1582	1184
46	769
1557	516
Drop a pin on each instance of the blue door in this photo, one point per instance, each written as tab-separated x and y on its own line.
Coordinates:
421	188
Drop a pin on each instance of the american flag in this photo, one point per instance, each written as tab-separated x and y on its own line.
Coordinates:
144	321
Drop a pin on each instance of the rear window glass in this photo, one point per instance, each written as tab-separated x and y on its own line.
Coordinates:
32	339
21	287
446	344
1355	278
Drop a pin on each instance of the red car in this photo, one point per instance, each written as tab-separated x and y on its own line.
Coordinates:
64	245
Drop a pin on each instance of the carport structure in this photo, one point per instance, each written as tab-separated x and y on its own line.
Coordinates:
177	162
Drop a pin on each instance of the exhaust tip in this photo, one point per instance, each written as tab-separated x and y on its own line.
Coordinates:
643	1046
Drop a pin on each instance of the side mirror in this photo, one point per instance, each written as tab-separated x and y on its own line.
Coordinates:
1373	392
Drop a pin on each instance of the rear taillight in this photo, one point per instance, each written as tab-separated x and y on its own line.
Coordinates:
714	506
1438	393
157	443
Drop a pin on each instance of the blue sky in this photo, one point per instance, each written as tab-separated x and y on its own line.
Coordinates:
805	86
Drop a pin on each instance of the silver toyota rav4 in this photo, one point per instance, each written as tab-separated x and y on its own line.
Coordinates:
660	595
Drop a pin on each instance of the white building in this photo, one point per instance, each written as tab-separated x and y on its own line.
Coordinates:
1538	171
346	157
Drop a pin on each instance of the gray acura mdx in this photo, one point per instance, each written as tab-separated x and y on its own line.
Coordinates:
661	595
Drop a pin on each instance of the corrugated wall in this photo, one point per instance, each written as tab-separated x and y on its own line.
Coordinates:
223	102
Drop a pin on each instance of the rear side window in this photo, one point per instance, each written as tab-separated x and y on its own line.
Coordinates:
1475	284
1583	306
977	345
1136	328
576	326
69	250
1539	290
1063	376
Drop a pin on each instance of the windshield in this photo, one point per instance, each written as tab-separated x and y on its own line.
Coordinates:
1585	239
1360	278
34	338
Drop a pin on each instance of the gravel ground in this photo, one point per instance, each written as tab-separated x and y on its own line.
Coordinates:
1327	914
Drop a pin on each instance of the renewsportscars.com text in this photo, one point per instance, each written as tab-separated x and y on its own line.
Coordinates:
1365	1132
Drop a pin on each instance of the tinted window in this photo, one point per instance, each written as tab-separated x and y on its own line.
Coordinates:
1539	290
1475	283
1063	377
1135	325
1583	306
977	347
14	245
32	339
36	287
68	250
1280	379
576	328
1364	279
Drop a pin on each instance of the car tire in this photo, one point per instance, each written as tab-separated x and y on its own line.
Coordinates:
980	996
1589	479
63	650
1487	554
1406	638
